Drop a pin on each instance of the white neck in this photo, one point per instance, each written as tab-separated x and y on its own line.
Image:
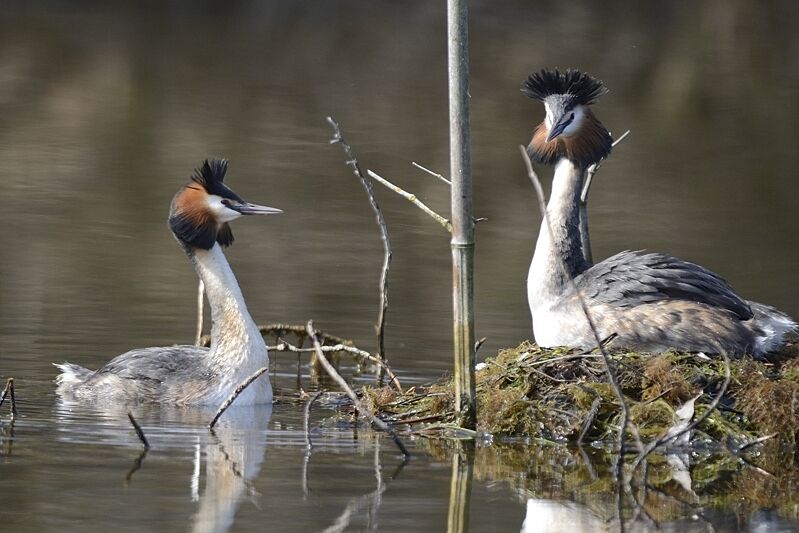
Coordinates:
237	347
546	280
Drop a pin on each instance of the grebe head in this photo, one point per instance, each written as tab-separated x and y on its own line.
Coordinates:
569	129
201	210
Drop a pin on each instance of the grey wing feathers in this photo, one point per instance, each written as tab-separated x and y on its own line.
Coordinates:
630	278
155	363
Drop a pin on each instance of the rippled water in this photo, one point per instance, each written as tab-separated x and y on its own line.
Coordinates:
104	111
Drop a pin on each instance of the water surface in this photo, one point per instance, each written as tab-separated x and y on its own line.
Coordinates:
107	109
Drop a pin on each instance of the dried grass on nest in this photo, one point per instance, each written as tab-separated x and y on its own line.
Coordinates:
557	394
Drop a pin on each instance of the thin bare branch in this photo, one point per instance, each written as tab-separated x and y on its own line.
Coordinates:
585	237
244	384
412	199
381	222
434	174
592	170
284	346
198	338
331	371
614	382
138	429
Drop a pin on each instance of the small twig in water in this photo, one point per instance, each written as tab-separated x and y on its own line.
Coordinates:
287	347
244	384
381	222
346	388
412	199
9	390
139	432
307	420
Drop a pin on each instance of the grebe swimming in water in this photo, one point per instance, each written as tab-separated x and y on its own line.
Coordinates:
199	218
652	302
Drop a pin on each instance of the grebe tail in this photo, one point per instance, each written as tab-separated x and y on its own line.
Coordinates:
651	302
199	218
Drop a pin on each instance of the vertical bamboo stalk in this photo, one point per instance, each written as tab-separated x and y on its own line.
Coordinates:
462	220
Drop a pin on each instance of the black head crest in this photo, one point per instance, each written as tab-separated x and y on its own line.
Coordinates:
583	88
211	176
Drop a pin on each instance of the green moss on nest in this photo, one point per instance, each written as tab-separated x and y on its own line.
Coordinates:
558	394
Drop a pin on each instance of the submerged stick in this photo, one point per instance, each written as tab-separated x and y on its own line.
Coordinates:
138	429
614	382
412	199
307	419
244	384
9	390
381	223
331	371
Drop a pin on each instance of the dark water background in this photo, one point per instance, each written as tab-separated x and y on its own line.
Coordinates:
106	108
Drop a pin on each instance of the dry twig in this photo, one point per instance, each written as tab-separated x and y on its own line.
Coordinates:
614	382
435	174
284	346
589	176
346	388
412	199
244	384
381	222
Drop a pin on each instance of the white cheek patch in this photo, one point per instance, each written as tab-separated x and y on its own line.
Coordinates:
577	123
221	212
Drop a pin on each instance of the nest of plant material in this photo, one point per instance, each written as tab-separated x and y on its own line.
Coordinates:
561	395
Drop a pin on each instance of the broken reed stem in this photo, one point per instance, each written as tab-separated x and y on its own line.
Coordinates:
287	347
435	174
9	390
244	384
307	419
331	371
585	238
198	338
381	223
614	382
693	425
139	432
412	199
591	170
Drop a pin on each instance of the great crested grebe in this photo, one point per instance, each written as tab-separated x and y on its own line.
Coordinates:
652	302
199	218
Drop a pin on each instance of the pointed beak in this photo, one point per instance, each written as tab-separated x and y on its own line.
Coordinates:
558	128
246	208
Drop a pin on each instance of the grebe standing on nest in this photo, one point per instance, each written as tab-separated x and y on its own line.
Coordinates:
652	302
190	375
